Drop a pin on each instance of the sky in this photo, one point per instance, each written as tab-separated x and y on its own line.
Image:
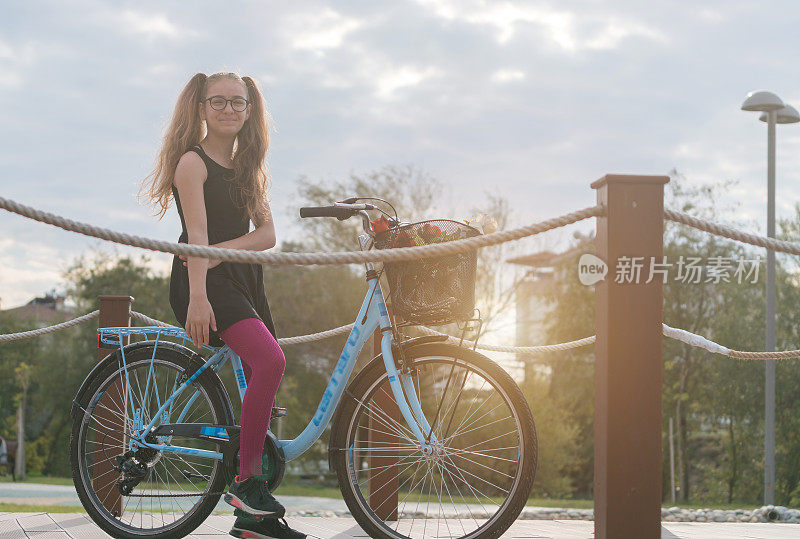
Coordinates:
531	101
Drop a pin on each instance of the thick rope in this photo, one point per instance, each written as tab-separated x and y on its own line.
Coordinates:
302	259
732	233
283	341
151	321
678	334
516	349
344	329
786	354
49	329
701	342
695	340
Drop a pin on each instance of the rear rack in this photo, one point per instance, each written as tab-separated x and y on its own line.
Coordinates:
113	336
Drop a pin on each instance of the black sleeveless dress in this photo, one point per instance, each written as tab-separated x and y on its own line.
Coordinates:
235	290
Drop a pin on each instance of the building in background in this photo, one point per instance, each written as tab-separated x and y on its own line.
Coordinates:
42	311
533	307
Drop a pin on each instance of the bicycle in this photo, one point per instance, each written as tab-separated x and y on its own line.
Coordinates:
154	440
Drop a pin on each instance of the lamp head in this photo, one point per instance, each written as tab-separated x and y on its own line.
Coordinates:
761	100
787	115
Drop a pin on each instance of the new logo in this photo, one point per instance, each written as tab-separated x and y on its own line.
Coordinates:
591	269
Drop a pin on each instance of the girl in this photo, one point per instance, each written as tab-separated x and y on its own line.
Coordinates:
212	164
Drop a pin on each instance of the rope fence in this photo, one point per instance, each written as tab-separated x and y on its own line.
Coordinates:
681	335
302	259
49	329
395	255
285	341
516	349
732	233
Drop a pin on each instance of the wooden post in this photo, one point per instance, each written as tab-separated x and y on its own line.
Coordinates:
383	477
628	363
115	311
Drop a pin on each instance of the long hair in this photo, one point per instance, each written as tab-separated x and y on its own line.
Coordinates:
186	129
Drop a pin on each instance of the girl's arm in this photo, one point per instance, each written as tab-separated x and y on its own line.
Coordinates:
190	175
260	239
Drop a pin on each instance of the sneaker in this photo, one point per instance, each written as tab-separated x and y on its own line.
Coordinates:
247	527
254	498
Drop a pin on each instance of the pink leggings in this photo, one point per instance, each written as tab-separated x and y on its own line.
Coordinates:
264	364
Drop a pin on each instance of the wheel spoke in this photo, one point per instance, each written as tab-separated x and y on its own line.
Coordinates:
165	497
473	468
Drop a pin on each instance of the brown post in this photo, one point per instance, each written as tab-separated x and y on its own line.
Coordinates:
383	477
115	311
628	363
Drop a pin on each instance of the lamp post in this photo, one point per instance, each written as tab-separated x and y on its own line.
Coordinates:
774	111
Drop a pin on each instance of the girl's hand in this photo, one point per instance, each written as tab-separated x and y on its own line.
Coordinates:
212	262
199	316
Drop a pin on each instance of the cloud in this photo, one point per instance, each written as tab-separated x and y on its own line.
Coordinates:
567	31
152	26
15	61
395	78
533	99
26	267
319	32
502	76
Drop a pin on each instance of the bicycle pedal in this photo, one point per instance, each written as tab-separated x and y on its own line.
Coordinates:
278	412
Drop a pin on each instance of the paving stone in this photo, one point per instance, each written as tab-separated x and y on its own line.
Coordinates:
78	525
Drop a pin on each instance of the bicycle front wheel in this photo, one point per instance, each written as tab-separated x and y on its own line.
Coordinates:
479	476
131	491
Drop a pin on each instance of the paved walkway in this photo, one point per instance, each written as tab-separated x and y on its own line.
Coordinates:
65	495
79	526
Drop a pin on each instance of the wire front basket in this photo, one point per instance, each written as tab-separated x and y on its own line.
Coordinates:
433	291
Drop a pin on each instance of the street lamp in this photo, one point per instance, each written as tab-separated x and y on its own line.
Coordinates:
774	111
787	115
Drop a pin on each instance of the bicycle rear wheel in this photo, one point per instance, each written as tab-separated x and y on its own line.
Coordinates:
480	474
170	494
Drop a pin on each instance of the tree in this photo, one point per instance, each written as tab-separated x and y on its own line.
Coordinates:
787	422
570	373
103	273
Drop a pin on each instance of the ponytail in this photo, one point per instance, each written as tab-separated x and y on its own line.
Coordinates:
185	130
249	163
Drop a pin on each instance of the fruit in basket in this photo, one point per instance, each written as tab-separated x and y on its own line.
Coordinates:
380	225
430	233
403	239
485	223
489	225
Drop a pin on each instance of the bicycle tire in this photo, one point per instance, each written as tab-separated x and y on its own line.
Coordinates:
211	390
430	363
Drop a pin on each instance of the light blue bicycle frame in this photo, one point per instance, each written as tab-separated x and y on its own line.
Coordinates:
372	315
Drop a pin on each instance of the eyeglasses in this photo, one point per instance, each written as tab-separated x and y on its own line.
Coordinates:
217	102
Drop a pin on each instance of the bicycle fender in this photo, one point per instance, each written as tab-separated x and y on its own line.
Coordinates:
419	340
115	358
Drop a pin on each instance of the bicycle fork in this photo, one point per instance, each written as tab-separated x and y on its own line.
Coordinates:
405	395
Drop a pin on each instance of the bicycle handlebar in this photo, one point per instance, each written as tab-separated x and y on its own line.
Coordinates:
339	212
342	211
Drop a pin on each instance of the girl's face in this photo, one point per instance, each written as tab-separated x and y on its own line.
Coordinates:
226	121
